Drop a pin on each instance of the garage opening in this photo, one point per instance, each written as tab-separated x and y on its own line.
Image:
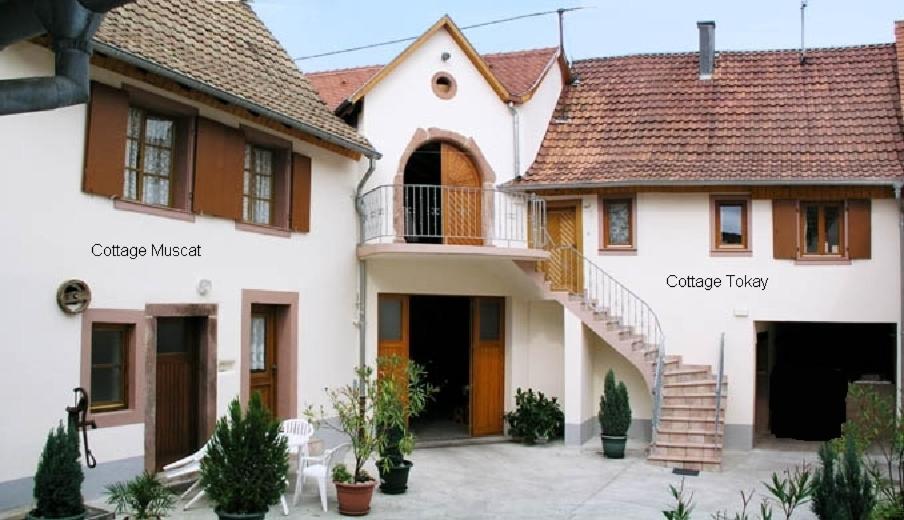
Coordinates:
440	342
803	370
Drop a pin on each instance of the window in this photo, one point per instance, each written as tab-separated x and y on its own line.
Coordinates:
822	228
731	224
109	367
443	85
257	201
618	223
149	158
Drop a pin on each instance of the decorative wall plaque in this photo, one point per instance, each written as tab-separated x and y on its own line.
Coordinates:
73	296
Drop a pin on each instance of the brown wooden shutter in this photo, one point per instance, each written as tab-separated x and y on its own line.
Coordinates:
219	169
301	193
784	229
105	152
858	235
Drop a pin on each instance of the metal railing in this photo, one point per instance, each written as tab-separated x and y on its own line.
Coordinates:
719	380
428	213
568	269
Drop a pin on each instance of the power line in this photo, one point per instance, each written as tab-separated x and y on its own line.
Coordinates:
412	38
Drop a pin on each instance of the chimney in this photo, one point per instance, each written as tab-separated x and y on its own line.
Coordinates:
707	48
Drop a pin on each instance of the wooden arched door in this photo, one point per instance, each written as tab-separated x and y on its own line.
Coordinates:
462	197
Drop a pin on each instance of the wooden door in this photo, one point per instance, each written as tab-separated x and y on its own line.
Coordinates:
177	407
263	366
462	197
564	270
392	325
487	365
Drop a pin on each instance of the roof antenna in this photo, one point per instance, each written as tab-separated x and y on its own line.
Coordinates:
561	12
803	49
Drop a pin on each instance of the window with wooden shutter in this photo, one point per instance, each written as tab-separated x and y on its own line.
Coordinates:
301	193
784	229
105	152
859	229
219	170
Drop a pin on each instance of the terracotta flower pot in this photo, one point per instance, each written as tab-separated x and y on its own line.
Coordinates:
354	499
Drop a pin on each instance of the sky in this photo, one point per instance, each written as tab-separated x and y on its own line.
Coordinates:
605	28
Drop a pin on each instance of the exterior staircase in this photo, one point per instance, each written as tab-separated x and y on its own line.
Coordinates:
687	432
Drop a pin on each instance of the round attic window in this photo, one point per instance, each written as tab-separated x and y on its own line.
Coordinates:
443	85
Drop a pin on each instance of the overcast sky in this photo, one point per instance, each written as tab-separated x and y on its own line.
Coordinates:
607	28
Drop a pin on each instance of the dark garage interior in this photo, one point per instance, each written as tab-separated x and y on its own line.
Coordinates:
440	341
803	371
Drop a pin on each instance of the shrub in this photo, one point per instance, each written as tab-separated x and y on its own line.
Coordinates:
684	504
535	416
142	498
58	479
244	470
341	474
845	492
402	393
615	409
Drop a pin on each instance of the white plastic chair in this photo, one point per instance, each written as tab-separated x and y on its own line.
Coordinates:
320	468
192	465
298	433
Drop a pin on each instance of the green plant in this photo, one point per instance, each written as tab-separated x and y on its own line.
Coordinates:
355	408
341	474
142	498
58	479
793	489
535	416
746	497
684	505
844	492
245	468
615	409
401	393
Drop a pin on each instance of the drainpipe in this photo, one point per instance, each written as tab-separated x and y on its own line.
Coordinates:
516	140
71	25
897	187
362	269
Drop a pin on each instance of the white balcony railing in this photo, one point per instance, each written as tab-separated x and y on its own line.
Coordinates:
431	214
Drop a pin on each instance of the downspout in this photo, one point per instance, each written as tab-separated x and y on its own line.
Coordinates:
516	140
362	268
71	25
897	186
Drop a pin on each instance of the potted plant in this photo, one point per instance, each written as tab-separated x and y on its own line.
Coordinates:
354	408
58	479
244	470
402	393
141	498
614	417
536	418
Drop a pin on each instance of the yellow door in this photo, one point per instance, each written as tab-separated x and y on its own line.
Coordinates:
487	365
564	269
462	197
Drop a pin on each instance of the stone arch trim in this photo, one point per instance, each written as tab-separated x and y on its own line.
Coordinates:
423	136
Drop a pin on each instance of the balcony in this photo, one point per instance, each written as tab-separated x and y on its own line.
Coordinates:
428	219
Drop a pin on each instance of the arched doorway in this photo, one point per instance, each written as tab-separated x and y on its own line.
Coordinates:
442	196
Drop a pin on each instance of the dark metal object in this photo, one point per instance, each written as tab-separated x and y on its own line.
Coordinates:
686	472
707	48
78	418
73	296
71	25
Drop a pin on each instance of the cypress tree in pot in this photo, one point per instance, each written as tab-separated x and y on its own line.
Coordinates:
402	393
614	417
244	470
58	479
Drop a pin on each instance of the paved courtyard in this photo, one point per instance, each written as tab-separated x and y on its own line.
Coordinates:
550	482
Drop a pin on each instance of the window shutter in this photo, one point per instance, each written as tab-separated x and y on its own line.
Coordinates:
858	236
105	152
219	170
301	193
784	229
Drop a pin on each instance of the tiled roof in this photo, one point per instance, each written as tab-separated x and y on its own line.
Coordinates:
225	46
763	116
519	72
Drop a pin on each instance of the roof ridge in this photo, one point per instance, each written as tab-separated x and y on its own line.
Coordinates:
667	54
522	51
328	72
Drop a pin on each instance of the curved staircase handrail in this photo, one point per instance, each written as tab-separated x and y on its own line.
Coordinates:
602	293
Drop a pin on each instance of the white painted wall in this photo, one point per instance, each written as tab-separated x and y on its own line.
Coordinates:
673	238
50	226
535	116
